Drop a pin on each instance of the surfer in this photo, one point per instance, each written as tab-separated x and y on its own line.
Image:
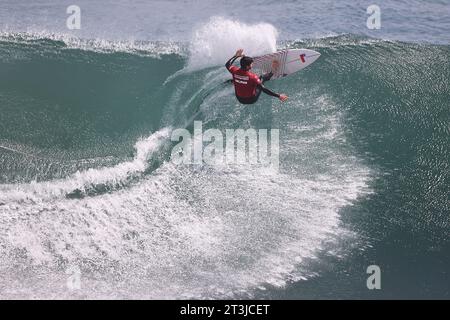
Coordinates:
247	85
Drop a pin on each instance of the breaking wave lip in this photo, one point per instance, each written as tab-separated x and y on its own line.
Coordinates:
214	42
201	52
335	40
139	47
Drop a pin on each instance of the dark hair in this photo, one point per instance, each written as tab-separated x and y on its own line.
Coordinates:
246	62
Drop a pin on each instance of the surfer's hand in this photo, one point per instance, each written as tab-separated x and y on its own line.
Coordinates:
283	97
239	53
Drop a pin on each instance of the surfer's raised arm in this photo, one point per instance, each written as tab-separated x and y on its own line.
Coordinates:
233	58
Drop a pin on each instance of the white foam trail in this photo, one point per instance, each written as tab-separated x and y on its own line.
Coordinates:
183	233
186	232
83	180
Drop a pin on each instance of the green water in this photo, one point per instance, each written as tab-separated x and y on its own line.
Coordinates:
364	173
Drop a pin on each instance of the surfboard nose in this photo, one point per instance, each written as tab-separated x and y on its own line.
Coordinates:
313	56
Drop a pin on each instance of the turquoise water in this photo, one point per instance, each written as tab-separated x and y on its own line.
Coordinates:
86	181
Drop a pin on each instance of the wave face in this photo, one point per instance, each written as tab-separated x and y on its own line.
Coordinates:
86	182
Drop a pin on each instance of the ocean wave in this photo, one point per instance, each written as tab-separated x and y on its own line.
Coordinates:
199	231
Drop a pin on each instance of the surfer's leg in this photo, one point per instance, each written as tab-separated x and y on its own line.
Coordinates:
258	93
250	100
266	77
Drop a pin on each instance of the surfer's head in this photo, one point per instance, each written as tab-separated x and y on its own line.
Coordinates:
246	63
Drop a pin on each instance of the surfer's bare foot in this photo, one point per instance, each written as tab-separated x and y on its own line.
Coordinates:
283	97
275	65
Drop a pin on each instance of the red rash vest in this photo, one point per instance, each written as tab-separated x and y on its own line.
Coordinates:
245	82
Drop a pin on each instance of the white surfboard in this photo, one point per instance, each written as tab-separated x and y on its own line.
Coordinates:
290	61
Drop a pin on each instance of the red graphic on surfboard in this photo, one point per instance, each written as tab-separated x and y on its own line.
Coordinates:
290	61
